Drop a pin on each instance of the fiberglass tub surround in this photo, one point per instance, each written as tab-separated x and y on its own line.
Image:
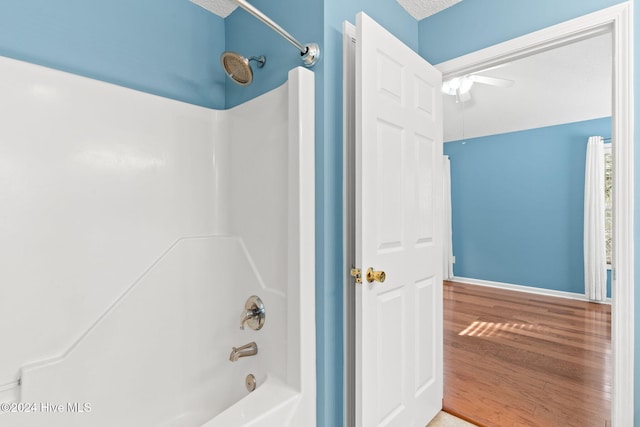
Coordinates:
140	226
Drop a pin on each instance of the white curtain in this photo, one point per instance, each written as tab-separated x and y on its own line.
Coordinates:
595	263
447	256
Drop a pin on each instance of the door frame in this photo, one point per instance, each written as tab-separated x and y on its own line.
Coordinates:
618	20
349	215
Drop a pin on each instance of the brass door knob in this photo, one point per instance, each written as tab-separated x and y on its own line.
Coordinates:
375	276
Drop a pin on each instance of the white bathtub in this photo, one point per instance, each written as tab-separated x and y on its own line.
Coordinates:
159	354
272	404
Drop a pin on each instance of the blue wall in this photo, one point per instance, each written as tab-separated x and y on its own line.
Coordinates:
475	24
517	205
248	36
170	49
636	138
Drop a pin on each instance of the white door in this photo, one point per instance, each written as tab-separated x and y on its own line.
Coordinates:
398	230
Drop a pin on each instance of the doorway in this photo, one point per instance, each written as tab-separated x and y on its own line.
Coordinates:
617	20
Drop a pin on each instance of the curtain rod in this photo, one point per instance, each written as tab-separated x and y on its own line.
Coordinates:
310	52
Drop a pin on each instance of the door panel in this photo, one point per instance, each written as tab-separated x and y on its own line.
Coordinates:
425	334
398	204
389	186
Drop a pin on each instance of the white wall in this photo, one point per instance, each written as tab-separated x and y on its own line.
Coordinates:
96	182
261	218
133	229
161	355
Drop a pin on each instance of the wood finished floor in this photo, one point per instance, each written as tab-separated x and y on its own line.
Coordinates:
518	359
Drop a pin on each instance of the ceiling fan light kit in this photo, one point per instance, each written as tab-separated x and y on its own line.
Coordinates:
460	87
457	85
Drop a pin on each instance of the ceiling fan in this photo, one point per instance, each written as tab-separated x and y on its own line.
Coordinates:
461	86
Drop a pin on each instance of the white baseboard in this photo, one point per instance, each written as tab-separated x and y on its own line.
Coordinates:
528	289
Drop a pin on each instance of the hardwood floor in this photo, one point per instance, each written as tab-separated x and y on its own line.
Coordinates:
518	359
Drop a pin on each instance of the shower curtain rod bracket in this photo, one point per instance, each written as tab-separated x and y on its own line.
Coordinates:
311	55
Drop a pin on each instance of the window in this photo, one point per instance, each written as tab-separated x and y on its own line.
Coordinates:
608	185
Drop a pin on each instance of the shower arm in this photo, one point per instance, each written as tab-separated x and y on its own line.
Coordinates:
310	52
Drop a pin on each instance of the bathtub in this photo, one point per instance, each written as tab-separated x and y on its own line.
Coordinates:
158	355
272	404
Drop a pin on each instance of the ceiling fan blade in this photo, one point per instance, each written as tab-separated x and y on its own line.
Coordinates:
493	81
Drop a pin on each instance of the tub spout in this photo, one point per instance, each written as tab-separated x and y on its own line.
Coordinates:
250	349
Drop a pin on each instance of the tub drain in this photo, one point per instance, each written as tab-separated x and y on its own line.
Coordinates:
250	382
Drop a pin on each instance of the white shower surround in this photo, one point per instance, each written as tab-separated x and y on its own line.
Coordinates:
133	229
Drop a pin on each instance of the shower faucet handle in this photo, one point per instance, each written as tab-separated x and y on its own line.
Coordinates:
253	313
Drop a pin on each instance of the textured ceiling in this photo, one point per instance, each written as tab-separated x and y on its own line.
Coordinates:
222	8
420	9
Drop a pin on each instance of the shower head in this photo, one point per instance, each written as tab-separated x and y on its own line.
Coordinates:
238	68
